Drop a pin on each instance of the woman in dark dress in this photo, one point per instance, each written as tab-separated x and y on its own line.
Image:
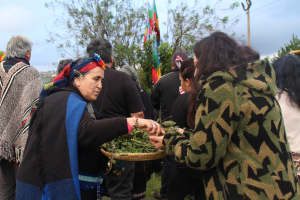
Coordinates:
62	130
185	180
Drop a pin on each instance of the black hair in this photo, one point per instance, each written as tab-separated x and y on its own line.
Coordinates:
217	52
187	69
287	70
101	47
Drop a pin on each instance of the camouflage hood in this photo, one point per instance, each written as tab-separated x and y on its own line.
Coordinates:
259	76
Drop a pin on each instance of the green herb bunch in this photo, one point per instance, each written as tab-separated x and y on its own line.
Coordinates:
137	141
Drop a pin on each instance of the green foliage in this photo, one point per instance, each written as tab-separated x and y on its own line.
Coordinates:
135	142
293	45
165	52
154	184
84	20
189	22
124	55
145	59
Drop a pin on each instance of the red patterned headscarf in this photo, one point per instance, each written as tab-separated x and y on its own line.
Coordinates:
74	69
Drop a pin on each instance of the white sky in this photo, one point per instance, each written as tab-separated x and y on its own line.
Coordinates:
273	22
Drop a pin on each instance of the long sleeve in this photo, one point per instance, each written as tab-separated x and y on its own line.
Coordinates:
93	132
155	96
180	110
215	122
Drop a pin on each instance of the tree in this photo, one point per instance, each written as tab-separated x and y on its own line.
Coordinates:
145	59
293	45
165	52
189	22
84	20
123	25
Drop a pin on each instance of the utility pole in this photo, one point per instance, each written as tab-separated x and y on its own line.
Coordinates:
248	18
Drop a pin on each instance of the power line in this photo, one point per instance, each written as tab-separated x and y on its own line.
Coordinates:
264	6
259	8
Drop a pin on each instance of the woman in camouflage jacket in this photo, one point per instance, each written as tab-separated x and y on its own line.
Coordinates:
239	136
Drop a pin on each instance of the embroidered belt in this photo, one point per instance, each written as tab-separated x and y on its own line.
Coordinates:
90	179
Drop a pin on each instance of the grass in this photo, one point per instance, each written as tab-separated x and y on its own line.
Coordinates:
153	184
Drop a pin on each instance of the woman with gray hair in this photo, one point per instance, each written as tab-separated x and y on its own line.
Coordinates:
134	76
140	176
20	86
62	64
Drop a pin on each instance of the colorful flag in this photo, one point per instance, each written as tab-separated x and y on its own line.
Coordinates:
150	15
148	31
156	23
156	70
2	55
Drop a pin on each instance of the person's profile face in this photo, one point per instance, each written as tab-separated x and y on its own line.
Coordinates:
90	85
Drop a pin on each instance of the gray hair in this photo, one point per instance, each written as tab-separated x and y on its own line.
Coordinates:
133	75
17	46
101	47
62	65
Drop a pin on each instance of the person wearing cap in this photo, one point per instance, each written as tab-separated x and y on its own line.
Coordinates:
65	124
166	90
20	85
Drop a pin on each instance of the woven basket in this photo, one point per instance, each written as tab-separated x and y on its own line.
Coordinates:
135	156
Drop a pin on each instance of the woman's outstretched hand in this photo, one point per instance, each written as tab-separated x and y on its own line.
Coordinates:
150	126
157	141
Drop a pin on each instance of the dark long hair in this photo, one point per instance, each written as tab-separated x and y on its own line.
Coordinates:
217	52
187	69
287	70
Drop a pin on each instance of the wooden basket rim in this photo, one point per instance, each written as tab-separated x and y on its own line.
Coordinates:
135	156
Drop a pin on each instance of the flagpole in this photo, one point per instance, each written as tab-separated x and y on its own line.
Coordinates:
154	22
147	9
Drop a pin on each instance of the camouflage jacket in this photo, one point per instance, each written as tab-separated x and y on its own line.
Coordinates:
239	137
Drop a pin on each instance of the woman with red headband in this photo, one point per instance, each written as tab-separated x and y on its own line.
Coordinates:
62	157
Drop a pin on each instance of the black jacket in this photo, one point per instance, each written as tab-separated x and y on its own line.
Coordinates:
165	92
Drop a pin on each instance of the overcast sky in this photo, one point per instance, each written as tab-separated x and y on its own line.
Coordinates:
273	23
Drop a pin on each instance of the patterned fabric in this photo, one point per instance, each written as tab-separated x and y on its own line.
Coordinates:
139	196
57	175
19	88
239	137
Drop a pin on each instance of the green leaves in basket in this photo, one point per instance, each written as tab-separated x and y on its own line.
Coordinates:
137	141
169	123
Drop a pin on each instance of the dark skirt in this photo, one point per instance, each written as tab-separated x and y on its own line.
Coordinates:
142	174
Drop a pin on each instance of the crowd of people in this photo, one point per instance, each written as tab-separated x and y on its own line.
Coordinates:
238	120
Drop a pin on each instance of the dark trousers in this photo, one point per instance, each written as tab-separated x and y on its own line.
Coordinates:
88	194
169	164
120	187
8	172
181	185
